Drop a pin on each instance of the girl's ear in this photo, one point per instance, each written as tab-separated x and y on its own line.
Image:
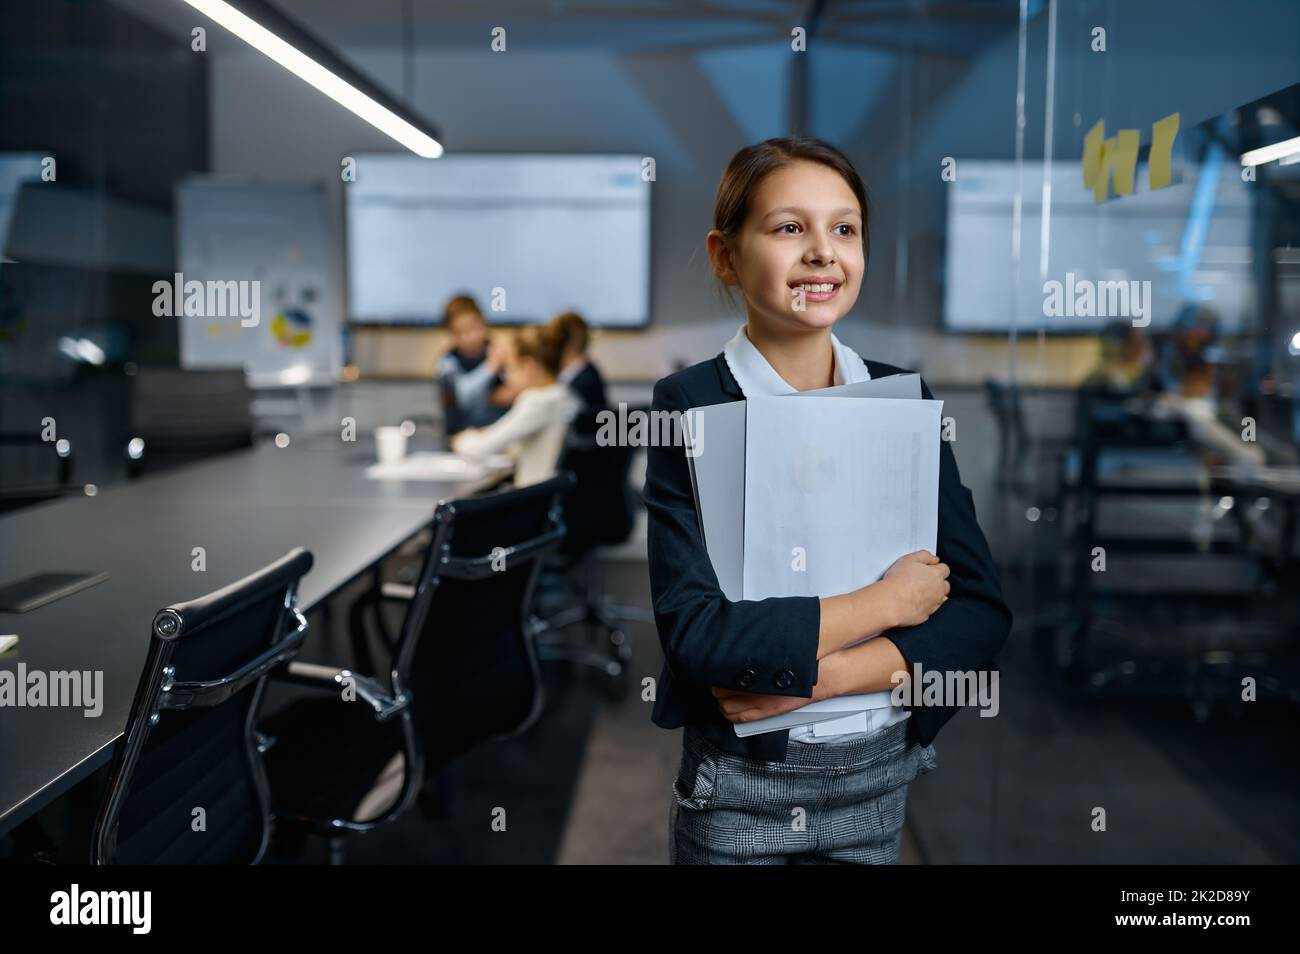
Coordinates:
720	257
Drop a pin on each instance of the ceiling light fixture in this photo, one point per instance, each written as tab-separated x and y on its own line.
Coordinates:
384	116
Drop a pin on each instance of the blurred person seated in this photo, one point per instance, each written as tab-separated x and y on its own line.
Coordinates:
577	371
469	378
533	430
1126	365
1195	400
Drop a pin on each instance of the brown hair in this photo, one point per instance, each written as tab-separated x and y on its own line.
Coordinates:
543	343
459	305
573	330
753	164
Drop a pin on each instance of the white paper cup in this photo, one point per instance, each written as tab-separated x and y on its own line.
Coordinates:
390	444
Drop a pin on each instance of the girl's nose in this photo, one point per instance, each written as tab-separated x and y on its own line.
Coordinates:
819	252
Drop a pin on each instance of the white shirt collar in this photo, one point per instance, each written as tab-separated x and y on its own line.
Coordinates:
571	371
755	376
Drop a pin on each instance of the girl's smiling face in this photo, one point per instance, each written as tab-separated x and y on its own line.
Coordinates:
803	230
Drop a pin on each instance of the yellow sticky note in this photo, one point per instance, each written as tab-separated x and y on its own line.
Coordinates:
1101	179
1163	133
1092	153
7	642
1125	160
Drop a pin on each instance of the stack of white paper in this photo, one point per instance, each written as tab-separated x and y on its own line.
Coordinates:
437	466
816	494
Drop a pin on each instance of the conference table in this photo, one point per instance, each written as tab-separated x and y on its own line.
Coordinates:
244	509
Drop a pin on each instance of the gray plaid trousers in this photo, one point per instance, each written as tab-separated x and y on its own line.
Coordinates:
828	803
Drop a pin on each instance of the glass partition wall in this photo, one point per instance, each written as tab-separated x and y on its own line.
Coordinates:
1082	235
1135	251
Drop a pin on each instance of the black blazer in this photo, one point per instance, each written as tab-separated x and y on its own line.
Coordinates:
770	645
589	385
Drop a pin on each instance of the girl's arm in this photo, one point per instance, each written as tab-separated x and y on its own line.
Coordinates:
846	619
869	667
526	416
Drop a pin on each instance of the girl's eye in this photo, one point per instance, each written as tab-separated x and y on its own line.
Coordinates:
782	229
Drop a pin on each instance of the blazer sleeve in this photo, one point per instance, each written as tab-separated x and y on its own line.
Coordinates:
965	633
767	646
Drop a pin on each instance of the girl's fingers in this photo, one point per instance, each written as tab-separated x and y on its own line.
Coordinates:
732	706
743	711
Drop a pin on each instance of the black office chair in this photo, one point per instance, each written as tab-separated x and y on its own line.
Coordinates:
190	741
462	671
1277	416
35	470
1145	627
1028	463
599	512
183	415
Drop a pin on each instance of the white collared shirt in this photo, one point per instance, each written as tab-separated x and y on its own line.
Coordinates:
532	430
756	376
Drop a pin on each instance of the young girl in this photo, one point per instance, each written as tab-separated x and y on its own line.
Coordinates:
790	232
534	427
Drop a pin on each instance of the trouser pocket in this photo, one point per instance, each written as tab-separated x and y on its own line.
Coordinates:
696	781
929	760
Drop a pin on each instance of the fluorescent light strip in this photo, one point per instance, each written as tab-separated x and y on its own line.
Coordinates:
303	66
1279	150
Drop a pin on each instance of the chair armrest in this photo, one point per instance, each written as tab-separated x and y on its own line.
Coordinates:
331	678
404	592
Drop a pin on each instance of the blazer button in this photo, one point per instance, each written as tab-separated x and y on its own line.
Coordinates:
784	679
747	678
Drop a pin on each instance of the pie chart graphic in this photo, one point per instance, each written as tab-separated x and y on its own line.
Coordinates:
292	328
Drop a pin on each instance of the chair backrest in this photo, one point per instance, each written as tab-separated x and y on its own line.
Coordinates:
1277	417
190	740
599	511
465	652
184	415
1004	401
32	469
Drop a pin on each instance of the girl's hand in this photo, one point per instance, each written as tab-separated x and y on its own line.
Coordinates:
738	706
917	585
748	706
495	360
